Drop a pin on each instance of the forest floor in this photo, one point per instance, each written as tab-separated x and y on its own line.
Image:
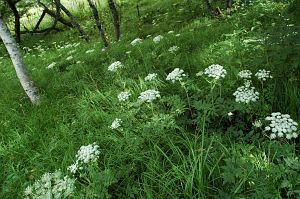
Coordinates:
196	127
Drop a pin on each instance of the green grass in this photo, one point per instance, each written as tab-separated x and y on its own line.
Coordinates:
183	145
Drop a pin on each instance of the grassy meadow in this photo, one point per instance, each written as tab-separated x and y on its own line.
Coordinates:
198	131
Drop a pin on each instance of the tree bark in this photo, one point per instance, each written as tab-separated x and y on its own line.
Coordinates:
74	22
12	6
54	15
116	18
39	21
210	9
98	22
18	62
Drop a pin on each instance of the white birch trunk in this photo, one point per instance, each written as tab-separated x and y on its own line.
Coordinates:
18	62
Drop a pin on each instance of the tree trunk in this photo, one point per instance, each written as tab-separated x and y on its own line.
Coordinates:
54	15
116	18
98	22
14	9
229	5
74	22
39	21
210	9
18	63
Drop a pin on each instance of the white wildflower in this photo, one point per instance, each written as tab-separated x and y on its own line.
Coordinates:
177	35
90	51
230	114
157	39
245	74
51	185
116	123
173	49
115	66
74	167
89	153
282	125
263	75
136	41
215	71
257	123
51	65
69	58
171	32
151	77
123	96
149	95
176	74
246	94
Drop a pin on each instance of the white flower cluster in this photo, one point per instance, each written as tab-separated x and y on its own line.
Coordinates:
116	123
215	71
245	74
149	95
176	74
282	125
85	154
136	41
263	74
69	58
90	51
246	94
173	49
51	65
51	185
123	96
157	39
151	77
115	66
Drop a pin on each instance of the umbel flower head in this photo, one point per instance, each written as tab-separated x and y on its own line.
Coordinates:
116	123
245	74
136	41
215	71
176	74
281	126
157	39
149	95
115	66
173	49
123	96
85	155
51	185
263	75
151	77
246	94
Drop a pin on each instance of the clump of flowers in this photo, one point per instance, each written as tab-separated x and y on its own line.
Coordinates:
123	96
149	95
51	185
151	77
173	49
245	74
176	74
90	51
69	58
116	123
157	39
115	66
281	126
263	74
51	65
257	123
85	155
246	94
215	71
136	41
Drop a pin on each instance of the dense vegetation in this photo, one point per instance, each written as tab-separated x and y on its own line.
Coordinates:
193	138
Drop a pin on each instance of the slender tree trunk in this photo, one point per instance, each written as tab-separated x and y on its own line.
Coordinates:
18	63
210	9
229	5
98	22
14	9
39	21
74	22
116	18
